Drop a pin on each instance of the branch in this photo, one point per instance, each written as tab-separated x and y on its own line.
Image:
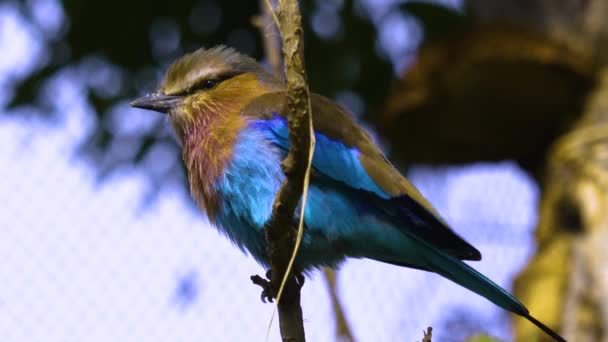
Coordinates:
270	36
281	237
272	51
428	335
342	329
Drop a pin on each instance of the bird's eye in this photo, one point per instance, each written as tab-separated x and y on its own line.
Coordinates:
209	84
202	85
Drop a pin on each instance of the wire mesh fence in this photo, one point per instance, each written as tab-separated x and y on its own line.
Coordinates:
85	261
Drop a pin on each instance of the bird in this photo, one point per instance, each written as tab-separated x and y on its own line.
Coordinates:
229	115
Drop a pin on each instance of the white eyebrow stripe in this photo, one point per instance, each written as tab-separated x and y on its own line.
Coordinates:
203	73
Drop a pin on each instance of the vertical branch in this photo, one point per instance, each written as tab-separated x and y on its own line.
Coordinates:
281	237
272	51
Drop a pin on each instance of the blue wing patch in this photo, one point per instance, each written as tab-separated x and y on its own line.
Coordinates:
332	158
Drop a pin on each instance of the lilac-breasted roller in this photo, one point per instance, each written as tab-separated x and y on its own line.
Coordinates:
228	113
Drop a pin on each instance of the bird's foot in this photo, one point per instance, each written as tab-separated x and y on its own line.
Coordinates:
268	292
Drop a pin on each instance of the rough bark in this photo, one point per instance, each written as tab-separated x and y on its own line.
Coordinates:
280	231
272	51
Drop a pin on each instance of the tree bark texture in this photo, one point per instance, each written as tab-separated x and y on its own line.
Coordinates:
280	231
566	284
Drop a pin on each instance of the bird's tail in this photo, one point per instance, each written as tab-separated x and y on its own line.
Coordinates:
464	275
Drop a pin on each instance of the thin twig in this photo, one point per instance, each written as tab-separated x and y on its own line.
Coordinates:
270	37
342	329
428	335
272	13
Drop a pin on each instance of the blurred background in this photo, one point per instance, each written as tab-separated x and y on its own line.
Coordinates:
494	109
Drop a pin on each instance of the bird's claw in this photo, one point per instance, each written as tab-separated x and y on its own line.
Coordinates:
267	295
300	279
268	292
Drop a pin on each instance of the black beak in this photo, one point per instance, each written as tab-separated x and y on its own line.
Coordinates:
158	102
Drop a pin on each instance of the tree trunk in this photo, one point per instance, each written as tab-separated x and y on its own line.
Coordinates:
566	284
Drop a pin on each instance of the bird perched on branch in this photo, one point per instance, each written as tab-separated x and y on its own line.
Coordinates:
229	115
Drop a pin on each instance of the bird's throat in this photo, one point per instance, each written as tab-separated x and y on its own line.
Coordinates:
207	150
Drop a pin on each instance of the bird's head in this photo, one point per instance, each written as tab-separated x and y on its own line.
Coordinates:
208	83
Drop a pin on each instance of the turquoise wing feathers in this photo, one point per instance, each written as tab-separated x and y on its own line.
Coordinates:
346	153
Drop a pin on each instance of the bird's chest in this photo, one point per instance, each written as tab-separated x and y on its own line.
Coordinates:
246	190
